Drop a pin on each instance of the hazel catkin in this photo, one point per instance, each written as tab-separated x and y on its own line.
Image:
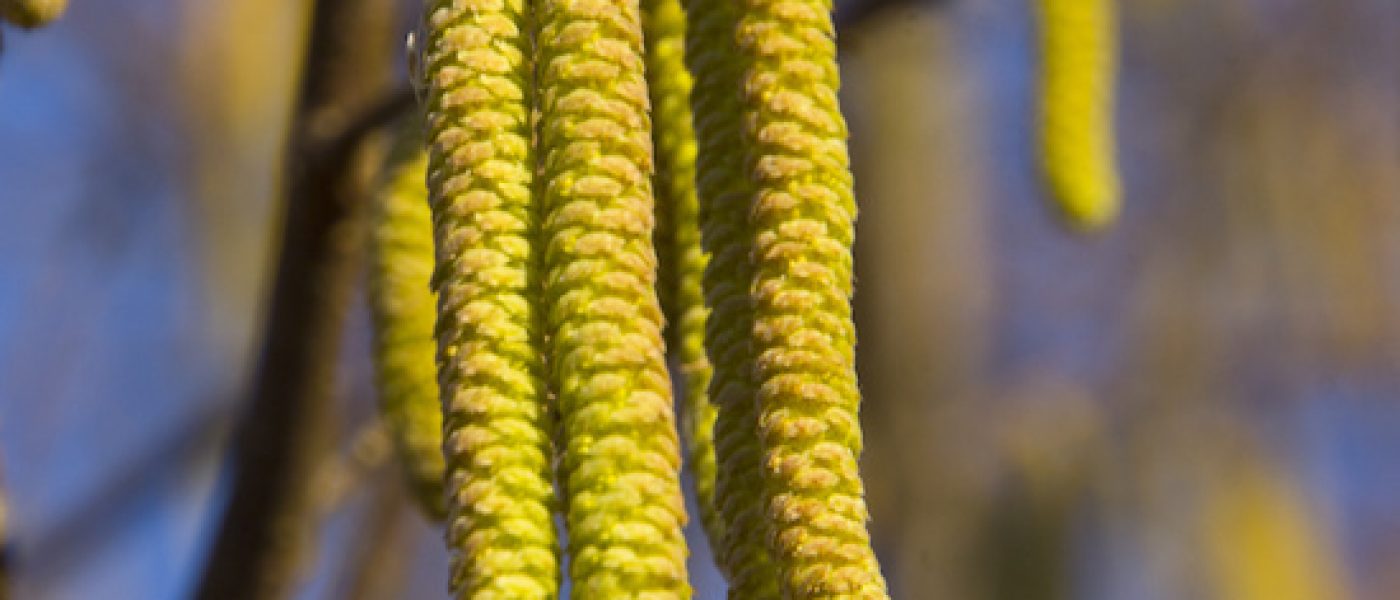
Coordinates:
801	227
682	261
1078	58
724	195
620	457
404	309
30	14
498	422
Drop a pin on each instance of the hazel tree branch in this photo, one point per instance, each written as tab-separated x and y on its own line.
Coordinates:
285	429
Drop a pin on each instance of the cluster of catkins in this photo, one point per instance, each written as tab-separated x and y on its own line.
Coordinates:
591	166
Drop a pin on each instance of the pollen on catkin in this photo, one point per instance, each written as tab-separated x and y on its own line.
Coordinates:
498	422
1078	57
724	196
32	13
620	457
404	309
802	227
678	242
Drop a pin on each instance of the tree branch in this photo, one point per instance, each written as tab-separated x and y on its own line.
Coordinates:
285	429
853	12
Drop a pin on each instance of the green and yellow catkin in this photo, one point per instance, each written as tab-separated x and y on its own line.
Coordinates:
1078	56
620	463
678	242
724	194
497	418
404	310
802	226
32	13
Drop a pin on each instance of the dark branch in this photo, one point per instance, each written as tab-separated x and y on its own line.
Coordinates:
285	429
853	12
389	108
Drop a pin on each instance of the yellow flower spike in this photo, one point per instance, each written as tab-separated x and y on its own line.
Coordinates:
802	226
678	241
32	13
1078	55
404	310
724	197
620	463
497	418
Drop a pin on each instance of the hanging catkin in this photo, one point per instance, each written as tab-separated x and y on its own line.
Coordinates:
497	421
620	463
1078	61
678	241
404	310
32	13
724	203
802	227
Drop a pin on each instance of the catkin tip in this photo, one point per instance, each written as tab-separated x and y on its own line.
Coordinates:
1090	212
31	14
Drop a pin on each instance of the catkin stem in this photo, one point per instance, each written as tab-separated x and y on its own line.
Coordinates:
802	226
497	421
1078	58
621	461
678	243
724	195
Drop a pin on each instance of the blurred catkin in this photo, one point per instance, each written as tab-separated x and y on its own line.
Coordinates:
1078	61
32	13
1262	538
620	463
497	420
802	227
678	242
404	310
724	195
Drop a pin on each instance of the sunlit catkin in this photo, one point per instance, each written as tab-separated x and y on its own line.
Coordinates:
802	226
725	193
620	463
1078	55
678	241
404	310
497	422
32	13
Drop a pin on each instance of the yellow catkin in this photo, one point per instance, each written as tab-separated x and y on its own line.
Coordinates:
1263	541
497	419
404	310
678	241
802	227
32	13
620	463
1078	55
724	194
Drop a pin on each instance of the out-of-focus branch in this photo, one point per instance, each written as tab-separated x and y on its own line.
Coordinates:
853	12
374	566
6	559
387	109
279	442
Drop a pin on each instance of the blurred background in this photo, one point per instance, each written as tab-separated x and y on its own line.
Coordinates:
1199	403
